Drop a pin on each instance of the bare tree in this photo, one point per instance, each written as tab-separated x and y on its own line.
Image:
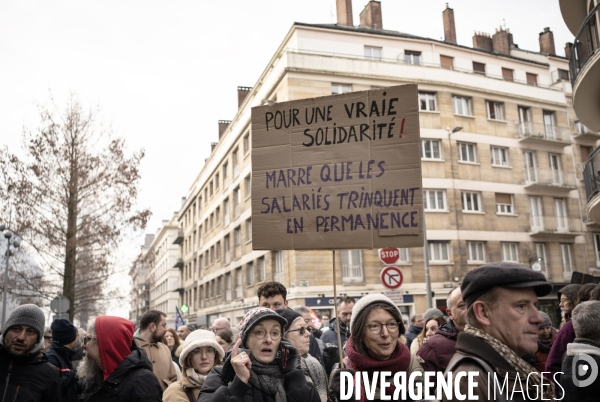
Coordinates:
75	195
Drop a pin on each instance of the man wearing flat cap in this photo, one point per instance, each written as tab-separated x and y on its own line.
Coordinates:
502	326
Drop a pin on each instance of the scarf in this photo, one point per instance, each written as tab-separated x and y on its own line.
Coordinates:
398	361
314	373
268	379
520	365
196	379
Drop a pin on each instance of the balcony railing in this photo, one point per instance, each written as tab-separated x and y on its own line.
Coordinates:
591	174
547	132
552	178
554	224
586	44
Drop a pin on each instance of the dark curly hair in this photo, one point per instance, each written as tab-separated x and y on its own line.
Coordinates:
271	289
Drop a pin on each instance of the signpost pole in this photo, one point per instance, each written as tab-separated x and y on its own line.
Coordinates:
337	319
426	263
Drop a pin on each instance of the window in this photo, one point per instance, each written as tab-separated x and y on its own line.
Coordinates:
549	125
531	79
373	53
461	105
227	250
237	199
219	285
249	229
235	163
248	185
567	263
434	200
206	259
411	57
340	88
510	252
447	62
225	175
562	218
262	273
238	284
471	202
427	101
210	185
218	215
478	68
226	213
228	287
246	143
476	251
500	156
508	74
218	250
217	181
212	220
563	74
585	152
495	110
279	272
237	236
540	253
439	251
352	270
525	127
206	195
535	214
504	204
212	254
555	168
250	273
530	167
404	255
597	248
467	152
431	149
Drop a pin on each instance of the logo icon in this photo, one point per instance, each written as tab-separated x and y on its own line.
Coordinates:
585	370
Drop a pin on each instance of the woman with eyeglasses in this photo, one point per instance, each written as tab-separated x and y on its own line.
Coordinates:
373	345
298	331
261	366
200	354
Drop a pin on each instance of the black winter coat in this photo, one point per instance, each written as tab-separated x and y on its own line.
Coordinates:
331	335
584	349
217	389
132	381
60	357
30	378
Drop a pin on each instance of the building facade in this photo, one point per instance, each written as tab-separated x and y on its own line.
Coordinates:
581	17
502	153
140	282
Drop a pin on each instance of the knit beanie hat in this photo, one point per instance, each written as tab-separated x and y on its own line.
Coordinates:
290	315
570	291
430	314
546	320
255	316
30	315
63	332
197	339
360	305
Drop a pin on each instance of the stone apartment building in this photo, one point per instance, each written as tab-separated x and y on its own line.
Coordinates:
140	282
502	153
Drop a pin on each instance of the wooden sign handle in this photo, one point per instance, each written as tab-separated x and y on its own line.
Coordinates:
337	319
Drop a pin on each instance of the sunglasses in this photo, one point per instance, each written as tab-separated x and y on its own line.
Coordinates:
302	330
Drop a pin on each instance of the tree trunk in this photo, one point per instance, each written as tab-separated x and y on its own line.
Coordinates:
71	244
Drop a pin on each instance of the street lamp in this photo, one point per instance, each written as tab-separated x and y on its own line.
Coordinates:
15	243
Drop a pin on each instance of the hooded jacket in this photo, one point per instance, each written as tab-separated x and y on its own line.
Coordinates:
28	378
160	356
60	357
412	333
573	393
331	335
127	373
435	354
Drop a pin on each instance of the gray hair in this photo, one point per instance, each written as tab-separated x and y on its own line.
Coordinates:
448	304
301	309
586	320
415	318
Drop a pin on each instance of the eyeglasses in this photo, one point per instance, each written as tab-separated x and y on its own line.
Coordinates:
302	330
260	334
208	351
87	339
376	327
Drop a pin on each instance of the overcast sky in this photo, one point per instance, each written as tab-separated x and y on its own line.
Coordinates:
164	72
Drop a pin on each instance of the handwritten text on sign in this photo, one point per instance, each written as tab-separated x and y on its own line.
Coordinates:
338	172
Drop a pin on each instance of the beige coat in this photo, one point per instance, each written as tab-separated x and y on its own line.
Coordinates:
176	392
162	363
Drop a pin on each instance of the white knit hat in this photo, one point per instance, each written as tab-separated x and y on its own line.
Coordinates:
197	339
370	299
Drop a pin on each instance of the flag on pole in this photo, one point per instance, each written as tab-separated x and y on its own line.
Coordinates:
178	319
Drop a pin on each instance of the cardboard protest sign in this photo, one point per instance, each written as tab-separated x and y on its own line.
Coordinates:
338	172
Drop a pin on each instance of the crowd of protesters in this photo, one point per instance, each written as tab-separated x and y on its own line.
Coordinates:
491	324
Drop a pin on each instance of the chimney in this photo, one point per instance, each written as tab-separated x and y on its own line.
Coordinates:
449	27
212	146
242	93
344	12
501	41
370	17
547	42
568	50
482	41
223	124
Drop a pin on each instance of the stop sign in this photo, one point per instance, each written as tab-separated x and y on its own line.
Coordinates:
389	255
